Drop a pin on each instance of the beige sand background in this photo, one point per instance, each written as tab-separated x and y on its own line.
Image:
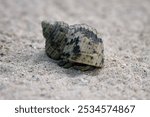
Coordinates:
27	73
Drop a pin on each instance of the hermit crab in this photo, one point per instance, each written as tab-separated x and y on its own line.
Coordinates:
78	46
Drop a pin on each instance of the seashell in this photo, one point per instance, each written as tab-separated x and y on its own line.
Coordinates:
78	46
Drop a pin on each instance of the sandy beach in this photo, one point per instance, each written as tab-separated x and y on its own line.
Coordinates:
27	73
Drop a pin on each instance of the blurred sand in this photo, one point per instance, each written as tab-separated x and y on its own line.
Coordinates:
27	73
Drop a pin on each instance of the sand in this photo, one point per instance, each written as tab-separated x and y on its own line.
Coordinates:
27	73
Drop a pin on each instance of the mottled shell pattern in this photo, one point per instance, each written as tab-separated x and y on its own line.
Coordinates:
78	46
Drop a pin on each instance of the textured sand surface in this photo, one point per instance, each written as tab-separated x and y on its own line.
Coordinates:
27	73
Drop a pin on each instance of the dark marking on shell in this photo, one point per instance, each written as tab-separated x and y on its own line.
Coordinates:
72	41
77	40
61	30
91	57
89	43
94	51
67	43
66	39
99	40
66	54
76	49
